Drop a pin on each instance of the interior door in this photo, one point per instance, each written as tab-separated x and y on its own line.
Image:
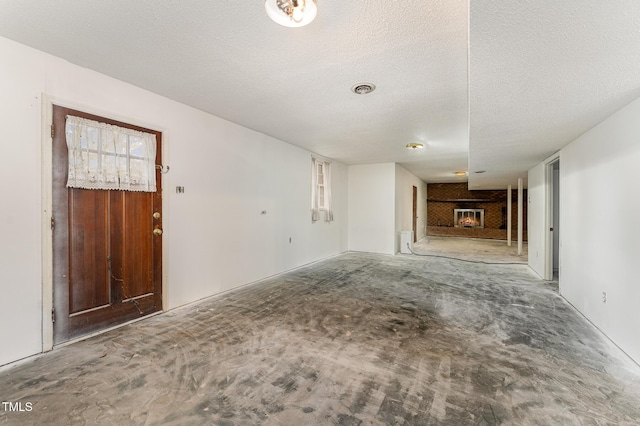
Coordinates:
107	245
415	214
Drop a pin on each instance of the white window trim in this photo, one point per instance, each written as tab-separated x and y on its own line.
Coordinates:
321	183
326	207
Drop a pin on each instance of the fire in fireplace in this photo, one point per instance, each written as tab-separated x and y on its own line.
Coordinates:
468	218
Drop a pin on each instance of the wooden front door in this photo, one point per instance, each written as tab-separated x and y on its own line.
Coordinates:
107	262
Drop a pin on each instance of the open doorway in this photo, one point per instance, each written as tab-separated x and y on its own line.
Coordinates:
415	214
552	266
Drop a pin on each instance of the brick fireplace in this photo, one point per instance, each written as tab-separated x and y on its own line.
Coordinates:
454	210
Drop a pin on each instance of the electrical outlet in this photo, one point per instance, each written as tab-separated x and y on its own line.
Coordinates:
179	189
604	297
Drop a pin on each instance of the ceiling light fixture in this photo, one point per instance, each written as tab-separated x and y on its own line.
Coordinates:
291	13
414	146
363	88
460	173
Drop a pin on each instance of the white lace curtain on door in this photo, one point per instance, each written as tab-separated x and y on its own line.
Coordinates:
104	156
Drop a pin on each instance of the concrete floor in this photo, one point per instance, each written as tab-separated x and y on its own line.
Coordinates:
359	339
473	249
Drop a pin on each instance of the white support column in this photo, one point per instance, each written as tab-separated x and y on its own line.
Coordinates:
509	202
520	217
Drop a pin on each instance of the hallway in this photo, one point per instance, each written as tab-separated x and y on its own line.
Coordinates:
359	339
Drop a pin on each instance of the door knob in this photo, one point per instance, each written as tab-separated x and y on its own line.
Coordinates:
157	231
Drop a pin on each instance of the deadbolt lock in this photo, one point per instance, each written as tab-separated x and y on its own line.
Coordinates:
157	231
156	215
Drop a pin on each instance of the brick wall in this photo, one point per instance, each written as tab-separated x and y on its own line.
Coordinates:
445	197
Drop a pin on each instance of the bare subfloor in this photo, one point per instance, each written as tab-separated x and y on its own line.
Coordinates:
474	249
359	339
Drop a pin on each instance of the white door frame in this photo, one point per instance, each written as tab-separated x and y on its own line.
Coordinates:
47	222
548	221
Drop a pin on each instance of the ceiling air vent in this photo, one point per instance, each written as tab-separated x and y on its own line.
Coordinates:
363	88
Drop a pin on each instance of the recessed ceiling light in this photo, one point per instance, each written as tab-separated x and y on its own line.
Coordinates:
363	88
480	171
460	173
414	146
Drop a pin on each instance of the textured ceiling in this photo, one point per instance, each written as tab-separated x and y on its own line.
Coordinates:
541	73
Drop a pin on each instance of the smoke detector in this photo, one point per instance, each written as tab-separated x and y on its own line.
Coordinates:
363	88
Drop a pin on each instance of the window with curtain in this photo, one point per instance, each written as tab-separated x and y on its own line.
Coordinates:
104	156
321	189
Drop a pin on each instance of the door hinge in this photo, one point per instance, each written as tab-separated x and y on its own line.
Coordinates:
53	131
53	223
53	315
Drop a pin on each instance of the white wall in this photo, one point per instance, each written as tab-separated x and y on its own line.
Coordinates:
599	242
405	181
372	208
21	83
215	237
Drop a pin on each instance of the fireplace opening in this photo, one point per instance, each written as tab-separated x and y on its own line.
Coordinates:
468	218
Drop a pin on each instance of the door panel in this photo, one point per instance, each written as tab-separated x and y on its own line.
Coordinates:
135	243
89	286
107	262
